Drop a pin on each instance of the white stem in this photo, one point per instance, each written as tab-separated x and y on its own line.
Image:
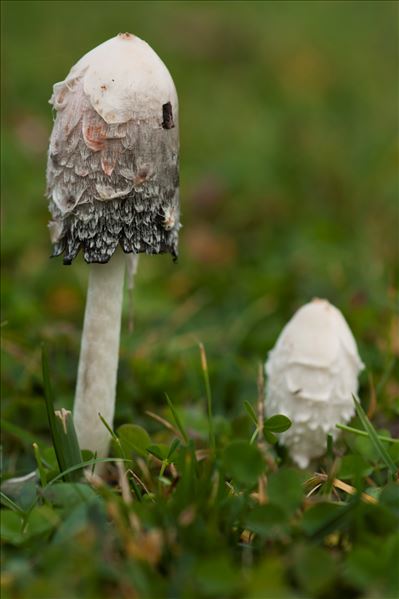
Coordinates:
99	353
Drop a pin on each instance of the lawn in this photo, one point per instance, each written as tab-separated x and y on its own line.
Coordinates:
289	191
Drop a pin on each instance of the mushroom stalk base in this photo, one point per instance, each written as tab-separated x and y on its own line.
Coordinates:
99	353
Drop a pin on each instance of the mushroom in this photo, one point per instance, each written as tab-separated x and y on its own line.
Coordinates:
113	189
312	375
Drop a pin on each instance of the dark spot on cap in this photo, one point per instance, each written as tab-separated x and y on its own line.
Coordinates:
126	36
167	116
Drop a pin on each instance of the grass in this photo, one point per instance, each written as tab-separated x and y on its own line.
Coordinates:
288	116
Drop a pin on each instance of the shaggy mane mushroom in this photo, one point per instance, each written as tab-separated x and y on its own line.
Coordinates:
113	189
312	374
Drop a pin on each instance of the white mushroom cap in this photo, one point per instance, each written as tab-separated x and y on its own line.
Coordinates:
312	374
113	162
124	79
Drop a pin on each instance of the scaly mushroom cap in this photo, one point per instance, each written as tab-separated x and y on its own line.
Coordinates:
312	373
113	162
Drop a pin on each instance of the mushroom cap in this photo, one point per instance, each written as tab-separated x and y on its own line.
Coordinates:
315	335
312	374
124	79
113	163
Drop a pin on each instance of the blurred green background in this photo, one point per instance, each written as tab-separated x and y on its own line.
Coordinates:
288	116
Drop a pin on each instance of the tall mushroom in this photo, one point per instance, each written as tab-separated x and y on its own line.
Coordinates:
113	189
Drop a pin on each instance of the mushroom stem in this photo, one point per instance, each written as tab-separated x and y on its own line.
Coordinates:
99	352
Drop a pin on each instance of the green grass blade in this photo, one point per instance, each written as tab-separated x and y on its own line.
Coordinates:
254	435
9	503
40	465
177	419
204	367
136	489
62	431
71	453
107	426
372	433
174	445
357	431
49	400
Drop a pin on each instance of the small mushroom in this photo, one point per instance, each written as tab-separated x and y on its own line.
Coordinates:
113	189
312	374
